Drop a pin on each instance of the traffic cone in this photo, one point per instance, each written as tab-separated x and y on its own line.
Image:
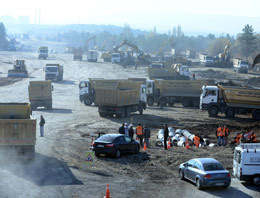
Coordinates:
107	192
169	144
144	146
187	145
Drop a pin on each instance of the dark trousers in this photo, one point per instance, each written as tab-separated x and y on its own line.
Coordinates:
165	142
140	137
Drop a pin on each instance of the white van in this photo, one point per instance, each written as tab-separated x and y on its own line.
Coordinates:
246	162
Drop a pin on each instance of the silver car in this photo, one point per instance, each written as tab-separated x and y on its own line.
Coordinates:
205	172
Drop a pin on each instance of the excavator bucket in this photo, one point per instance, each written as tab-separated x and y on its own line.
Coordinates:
13	73
256	61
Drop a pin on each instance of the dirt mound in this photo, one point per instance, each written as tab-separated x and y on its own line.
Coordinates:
254	81
212	74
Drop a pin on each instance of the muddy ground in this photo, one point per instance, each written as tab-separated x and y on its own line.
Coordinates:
59	169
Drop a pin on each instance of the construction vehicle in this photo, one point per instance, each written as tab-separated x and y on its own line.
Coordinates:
191	54
223	59
92	55
17	129
115	58
43	52
246	162
240	66
40	94
172	91
53	72
230	100
120	98
256	62
106	56
206	60
77	54
19	69
157	70
87	41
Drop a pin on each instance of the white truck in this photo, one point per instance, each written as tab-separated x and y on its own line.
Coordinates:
115	58
206	60
92	55
43	52
53	72
246	162
240	66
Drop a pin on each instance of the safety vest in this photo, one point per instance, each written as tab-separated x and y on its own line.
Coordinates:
226	131
196	140
139	130
220	132
238	137
253	137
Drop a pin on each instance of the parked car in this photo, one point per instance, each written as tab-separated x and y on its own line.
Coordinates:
205	172
115	144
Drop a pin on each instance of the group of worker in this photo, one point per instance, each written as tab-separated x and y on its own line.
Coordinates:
222	134
247	137
143	133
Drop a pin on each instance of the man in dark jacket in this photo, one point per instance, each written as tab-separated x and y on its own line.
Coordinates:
147	134
121	130
165	135
42	123
131	131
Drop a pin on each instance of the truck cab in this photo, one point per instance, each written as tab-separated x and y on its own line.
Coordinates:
43	52
246	162
208	96
53	72
184	71
86	92
241	66
207	61
115	58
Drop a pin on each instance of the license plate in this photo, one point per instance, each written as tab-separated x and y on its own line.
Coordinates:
101	146
220	184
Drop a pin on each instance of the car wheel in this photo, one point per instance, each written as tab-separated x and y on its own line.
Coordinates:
198	184
256	180
118	153
181	174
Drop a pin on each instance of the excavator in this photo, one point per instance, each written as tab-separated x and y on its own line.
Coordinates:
223	59
255	62
89	39
19	70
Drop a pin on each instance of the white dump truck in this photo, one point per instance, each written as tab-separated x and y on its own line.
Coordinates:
43	52
240	66
230	101
206	60
53	72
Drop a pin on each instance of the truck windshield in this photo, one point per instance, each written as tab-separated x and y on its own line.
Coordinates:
209	58
43	51
51	69
244	63
115	55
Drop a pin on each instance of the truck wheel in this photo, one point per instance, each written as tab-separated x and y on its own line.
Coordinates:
186	102
230	112
256	180
256	115
195	103
87	102
150	101
213	111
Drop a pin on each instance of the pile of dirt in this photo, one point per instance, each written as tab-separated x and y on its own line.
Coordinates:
212	74
254	81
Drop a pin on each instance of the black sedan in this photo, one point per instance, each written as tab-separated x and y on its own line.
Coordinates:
115	144
205	172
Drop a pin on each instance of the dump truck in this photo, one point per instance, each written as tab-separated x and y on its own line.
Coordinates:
77	54
19	70
206	60
87	87
43	52
230	100
53	72
40	94
240	66
120	98
92	55
173	91
157	70
17	129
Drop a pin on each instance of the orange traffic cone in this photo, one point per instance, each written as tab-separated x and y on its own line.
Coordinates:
107	192
197	144
187	146
169	144
144	146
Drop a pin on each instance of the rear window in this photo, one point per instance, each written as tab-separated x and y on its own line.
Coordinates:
213	166
107	138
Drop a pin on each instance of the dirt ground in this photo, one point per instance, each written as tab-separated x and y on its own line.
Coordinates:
59	170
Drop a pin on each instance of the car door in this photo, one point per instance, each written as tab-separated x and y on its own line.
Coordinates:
129	144
195	170
188	169
122	144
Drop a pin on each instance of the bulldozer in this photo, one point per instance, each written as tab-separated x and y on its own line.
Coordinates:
19	70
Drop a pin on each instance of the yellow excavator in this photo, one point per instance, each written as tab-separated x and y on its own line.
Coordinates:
19	70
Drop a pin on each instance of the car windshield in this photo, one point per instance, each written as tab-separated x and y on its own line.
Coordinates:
212	166
107	138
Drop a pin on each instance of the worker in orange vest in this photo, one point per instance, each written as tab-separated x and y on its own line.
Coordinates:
220	135
253	138
237	139
196	140
139	133
226	133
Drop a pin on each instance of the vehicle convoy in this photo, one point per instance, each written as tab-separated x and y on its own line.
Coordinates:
230	100
171	91
53	72
19	69
157	70
17	129
120	98
205	172
206	60
92	55
77	54
246	162
43	52
40	94
115	144
240	66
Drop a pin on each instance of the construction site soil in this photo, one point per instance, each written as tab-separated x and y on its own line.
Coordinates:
60	170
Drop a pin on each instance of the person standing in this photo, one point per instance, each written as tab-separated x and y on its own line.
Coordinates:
220	135
126	129
147	135
131	131
226	133
165	135
139	133
42	123
121	130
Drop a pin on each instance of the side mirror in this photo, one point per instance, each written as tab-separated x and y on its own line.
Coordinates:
186	165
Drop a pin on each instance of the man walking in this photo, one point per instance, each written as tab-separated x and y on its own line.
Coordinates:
42	123
220	135
147	134
165	135
121	130
139	133
131	131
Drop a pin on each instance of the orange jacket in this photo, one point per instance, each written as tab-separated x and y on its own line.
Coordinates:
253	138
139	130
196	140
226	131
220	132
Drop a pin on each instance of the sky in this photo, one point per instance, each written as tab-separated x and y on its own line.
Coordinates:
222	16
